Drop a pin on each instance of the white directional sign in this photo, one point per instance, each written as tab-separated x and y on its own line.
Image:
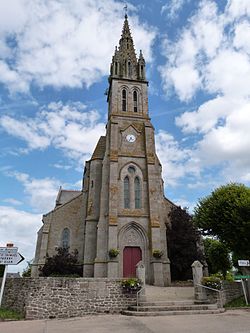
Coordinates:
8	250
244	263
10	256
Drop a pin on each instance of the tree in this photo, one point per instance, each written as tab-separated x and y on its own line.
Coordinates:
183	244
217	256
27	270
62	264
226	214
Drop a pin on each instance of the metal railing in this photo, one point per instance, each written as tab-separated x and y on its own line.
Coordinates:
220	303
137	297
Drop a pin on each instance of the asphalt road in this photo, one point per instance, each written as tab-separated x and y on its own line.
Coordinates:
233	321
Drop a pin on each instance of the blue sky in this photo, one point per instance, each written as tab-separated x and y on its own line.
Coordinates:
54	63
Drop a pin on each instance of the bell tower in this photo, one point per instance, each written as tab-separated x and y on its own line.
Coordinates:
131	215
121	208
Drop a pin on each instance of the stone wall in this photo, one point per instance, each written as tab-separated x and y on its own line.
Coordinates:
39	298
231	291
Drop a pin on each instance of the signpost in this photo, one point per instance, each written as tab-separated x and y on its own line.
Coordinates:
244	263
8	256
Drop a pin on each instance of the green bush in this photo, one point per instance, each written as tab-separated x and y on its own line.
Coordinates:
237	303
62	264
7	314
131	284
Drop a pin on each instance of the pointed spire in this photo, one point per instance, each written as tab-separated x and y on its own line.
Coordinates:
124	62
126	43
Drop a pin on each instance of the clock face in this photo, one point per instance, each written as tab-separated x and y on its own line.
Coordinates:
130	138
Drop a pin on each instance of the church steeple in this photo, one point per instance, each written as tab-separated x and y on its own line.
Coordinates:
124	62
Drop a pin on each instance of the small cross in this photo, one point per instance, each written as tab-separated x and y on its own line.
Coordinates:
126	10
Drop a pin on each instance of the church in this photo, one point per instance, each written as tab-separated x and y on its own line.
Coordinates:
119	217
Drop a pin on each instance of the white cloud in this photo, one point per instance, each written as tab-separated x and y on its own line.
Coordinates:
172	8
62	166
175	160
229	74
184	88
19	227
242	36
12	201
58	42
209	115
238	8
184	203
215	47
64	126
229	142
41	193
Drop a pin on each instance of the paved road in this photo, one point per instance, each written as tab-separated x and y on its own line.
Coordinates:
234	321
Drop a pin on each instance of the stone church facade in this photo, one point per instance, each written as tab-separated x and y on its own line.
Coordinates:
121	205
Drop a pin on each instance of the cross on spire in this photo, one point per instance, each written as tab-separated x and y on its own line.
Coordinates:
126	10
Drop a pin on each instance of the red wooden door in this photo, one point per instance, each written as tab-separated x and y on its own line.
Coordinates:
131	257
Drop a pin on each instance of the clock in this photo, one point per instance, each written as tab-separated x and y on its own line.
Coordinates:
130	138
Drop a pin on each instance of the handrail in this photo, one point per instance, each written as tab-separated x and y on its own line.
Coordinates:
213	289
137	297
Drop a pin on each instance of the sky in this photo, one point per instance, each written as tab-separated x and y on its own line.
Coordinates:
54	63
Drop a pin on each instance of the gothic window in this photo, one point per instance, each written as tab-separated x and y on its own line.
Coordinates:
116	68
124	100
142	71
135	99
137	192
131	169
126	193
129	68
65	238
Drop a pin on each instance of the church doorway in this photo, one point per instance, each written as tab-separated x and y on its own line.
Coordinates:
131	257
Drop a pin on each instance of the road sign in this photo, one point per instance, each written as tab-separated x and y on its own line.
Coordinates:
11	259
244	263
8	251
238	277
8	256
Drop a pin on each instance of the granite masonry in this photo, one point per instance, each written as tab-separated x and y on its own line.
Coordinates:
121	205
55	297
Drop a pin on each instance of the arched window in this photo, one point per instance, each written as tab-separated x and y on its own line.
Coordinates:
126	193
129	68
65	238
124	100
135	99
131	169
142	71
137	193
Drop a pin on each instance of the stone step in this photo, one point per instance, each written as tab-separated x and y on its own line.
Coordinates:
166	303
154	293
170	313
158	308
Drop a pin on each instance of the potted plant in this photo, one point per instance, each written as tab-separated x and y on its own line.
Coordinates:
157	253
131	285
113	253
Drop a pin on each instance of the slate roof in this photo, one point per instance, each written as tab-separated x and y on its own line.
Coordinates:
99	149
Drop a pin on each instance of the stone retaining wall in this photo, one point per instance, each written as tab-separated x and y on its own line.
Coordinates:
39	298
230	291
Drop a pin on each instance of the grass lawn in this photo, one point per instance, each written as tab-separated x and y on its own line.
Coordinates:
237	303
9	315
